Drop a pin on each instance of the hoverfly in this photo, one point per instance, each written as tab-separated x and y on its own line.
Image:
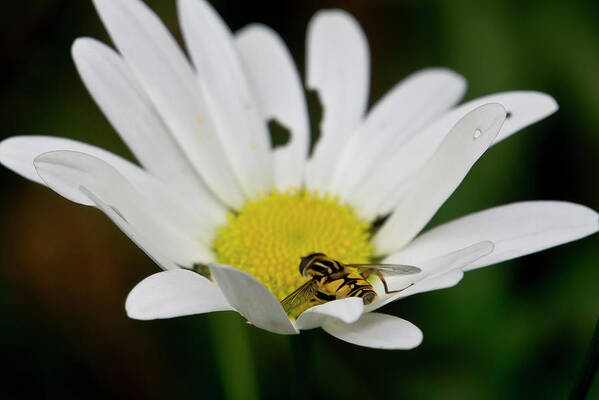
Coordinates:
330	279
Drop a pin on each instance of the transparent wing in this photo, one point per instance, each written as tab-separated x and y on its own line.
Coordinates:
302	295
387	269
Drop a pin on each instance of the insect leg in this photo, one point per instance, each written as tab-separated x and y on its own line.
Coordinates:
382	278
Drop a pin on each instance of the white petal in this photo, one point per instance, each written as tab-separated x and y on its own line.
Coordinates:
347	310
72	174
436	181
524	109
379	331
407	108
280	96
515	229
338	68
252	299
436	272
242	129
130	111
18	153
443	281
142	239
174	293
165	74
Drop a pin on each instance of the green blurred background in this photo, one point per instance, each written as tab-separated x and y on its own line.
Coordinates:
515	330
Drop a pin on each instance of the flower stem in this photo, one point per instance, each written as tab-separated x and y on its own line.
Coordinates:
233	354
590	368
301	355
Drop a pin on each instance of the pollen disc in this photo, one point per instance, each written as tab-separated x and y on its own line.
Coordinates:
267	237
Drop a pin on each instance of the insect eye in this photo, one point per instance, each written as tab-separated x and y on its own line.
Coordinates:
369	298
304	264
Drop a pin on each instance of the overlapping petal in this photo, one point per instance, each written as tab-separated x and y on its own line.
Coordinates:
240	125
130	111
516	229
379	192
437	272
252	299
163	71
403	111
19	152
338	69
280	96
436	181
144	241
73	175
442	281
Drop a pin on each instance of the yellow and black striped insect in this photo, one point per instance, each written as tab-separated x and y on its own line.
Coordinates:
329	279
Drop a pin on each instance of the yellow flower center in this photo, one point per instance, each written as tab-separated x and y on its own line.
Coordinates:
267	237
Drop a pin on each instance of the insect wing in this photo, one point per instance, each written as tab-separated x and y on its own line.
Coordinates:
387	269
300	296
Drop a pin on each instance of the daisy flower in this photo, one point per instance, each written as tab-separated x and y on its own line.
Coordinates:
212	195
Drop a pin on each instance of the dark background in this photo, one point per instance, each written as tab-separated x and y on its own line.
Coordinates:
516	330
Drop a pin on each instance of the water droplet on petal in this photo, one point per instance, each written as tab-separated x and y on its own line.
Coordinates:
477	133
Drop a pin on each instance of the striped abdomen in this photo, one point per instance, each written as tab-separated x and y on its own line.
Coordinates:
347	284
